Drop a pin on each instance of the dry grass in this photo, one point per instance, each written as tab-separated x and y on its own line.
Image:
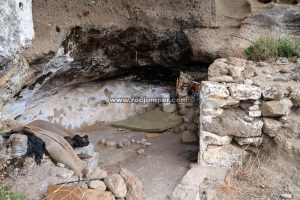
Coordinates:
253	180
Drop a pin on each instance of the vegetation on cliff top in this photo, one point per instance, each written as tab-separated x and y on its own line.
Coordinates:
271	48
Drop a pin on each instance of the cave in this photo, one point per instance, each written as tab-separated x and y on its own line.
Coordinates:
74	85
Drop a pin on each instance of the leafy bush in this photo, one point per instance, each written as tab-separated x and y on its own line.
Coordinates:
7	193
270	48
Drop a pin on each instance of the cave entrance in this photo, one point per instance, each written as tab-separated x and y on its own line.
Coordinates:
75	86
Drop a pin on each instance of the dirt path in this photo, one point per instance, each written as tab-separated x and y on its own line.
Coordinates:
160	168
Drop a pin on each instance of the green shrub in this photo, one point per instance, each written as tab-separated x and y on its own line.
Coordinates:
7	193
270	48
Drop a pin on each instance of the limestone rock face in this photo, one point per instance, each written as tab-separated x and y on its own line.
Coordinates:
231	123
276	108
16	28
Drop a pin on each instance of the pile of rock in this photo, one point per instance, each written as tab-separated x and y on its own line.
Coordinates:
143	143
122	186
244	101
188	108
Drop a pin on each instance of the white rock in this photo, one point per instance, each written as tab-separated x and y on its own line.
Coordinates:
254	113
255	141
213	139
111	143
97	184
272	93
1	140
88	150
248	82
64	173
214	90
141	151
92	162
286	196
244	92
116	185
254	108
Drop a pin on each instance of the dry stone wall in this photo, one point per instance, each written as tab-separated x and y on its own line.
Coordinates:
242	104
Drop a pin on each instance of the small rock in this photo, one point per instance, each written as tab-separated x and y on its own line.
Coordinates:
120	129
248	82
103	141
214	90
116	185
192	127
276	108
179	129
255	141
254	113
97	173
111	143
271	126
64	173
133	141
120	145
144	140
88	150
152	135
97	184
126	143
286	196
18	145
60	165
254	108
147	144
189	137
213	139
92	162
141	151
272	93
